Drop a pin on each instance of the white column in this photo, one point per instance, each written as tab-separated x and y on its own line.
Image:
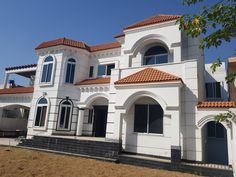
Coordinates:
6	79
80	123
118	124
234	148
124	63
177	54
175	129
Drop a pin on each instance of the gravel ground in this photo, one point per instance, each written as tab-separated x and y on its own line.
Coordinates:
16	162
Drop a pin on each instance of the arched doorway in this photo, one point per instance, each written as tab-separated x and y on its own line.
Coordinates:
143	126
215	148
96	117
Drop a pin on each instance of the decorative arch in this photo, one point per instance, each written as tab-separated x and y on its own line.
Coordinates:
147	41
48	69
67	57
65	109
41	116
203	121
95	96
132	98
23	105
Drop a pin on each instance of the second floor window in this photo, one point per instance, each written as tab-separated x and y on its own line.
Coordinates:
105	70
47	70
91	71
70	71
213	90
155	55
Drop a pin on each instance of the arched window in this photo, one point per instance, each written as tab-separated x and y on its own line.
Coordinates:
47	70
65	112
41	112
148	118
70	71
155	55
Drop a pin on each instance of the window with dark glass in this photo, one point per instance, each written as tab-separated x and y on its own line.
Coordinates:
148	118
90	116
213	90
91	71
41	112
47	70
70	71
109	67
215	130
105	70
65	111
155	55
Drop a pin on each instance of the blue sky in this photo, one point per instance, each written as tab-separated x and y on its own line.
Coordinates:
26	23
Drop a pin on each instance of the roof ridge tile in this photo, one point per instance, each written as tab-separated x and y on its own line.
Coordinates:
148	75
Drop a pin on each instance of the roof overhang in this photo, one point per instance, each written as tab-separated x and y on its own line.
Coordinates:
23	70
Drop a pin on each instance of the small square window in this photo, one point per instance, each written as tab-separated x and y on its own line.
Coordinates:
101	70
109	67
105	70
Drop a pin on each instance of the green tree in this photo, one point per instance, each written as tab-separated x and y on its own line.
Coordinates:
217	23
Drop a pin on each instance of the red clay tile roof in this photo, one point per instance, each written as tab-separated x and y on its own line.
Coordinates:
148	75
63	41
153	20
21	67
104	46
216	104
78	44
101	80
17	90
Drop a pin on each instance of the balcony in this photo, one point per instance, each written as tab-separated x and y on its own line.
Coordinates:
18	86
19	76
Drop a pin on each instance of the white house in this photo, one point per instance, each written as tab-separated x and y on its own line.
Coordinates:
150	90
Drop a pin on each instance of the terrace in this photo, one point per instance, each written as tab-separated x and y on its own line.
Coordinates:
15	99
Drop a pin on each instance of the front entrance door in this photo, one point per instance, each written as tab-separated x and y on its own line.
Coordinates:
216	144
100	121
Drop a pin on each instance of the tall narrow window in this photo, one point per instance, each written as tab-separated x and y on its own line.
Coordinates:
41	113
91	71
65	112
47	70
90	116
155	55
148	118
70	71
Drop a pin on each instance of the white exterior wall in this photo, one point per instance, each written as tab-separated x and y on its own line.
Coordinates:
179	101
167	34
55	92
143	142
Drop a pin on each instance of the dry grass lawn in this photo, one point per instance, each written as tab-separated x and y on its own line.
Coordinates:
15	162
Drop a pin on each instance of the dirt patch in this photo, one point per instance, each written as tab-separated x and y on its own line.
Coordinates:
16	162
